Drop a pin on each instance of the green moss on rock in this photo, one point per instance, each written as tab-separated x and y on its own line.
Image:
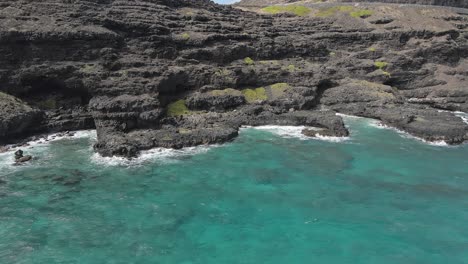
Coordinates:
253	95
249	61
381	64
185	36
361	13
184	131
177	108
278	89
88	68
291	68
351	10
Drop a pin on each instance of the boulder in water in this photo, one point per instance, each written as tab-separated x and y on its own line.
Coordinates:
317	133
19	158
18	154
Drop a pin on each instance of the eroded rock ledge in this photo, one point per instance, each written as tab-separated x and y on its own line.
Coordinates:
157	73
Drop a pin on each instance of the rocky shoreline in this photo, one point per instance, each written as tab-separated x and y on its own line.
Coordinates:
183	73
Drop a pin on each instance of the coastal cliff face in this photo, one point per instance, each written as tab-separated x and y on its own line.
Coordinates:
165	73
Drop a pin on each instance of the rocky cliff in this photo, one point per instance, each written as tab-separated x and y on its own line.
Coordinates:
149	73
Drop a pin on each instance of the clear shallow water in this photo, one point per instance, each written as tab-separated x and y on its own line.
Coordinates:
378	197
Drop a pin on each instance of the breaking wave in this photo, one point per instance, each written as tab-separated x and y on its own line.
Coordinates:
296	132
157	154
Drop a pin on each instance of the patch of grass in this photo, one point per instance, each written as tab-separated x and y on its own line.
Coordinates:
278	89
386	73
361	13
185	36
88	68
291	68
293	9
352	11
253	95
228	91
177	108
381	65
184	131
249	61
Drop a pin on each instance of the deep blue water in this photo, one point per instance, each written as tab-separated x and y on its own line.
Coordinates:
378	197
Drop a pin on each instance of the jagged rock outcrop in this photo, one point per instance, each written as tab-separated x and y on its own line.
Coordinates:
16	116
149	73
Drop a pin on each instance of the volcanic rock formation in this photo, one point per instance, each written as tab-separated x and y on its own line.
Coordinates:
175	73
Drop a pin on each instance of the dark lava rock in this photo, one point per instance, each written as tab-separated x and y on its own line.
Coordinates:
16	117
315	133
160	73
19	158
216	100
382	20
24	159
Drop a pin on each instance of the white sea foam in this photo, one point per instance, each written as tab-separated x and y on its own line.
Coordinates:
296	132
462	115
380	125
331	139
349	116
40	145
157	154
284	131
6	161
44	140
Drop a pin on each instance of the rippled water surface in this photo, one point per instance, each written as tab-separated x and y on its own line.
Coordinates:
268	197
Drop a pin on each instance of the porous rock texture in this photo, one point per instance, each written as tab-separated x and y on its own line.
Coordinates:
175	73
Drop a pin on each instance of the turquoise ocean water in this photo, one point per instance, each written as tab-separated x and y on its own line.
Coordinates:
268	197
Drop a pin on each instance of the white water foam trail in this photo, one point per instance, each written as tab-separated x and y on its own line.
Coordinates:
46	139
349	116
40	146
462	115
157	154
380	125
296	132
